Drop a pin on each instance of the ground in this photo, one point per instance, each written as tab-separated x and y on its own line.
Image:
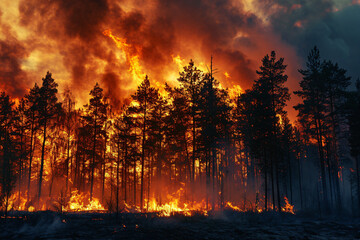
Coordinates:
224	225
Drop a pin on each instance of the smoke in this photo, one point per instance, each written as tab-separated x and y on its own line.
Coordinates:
66	38
327	24
12	77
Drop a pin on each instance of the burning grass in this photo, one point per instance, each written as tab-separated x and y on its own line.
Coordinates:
174	205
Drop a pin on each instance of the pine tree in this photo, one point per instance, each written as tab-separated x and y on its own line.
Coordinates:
31	113
145	98
312	109
94	120
48	107
7	173
354	130
190	86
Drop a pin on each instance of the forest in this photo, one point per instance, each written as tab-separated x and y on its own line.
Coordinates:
193	147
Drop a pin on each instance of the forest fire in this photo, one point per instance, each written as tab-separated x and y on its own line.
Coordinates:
80	202
185	152
178	119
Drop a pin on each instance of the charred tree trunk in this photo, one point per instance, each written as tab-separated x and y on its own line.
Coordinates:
117	177
272	181
31	156
290	175
278	187
68	149
92	165
357	159
42	161
266	181
300	182
322	164
143	159
104	167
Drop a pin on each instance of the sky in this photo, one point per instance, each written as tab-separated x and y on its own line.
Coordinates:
72	40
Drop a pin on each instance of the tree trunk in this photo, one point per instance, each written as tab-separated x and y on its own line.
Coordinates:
357	159
272	181
143	161
42	161
31	156
300	182
266	181
278	187
68	149
117	177
322	164
93	158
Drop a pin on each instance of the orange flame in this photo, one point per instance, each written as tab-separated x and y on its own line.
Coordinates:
132	54
78	202
288	207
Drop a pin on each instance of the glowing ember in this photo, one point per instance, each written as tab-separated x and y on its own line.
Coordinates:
288	207
231	206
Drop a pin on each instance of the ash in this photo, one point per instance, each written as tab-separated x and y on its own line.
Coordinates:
218	225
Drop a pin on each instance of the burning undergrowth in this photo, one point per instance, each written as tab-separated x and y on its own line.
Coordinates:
76	202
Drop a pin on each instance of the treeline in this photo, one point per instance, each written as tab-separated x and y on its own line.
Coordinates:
195	141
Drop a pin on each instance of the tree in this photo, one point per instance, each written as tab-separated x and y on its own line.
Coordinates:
323	92
354	129
48	107
190	80
7	174
20	129
156	142
312	109
31	113
266	101
94	120
145	98
336	83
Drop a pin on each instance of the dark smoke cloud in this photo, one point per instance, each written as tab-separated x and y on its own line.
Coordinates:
157	30
324	24
12	78
170	28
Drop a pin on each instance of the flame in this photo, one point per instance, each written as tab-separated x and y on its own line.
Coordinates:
227	75
132	54
180	63
231	206
78	202
288	207
174	204
235	91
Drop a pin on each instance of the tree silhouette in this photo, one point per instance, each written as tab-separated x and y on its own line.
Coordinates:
312	109
7	158
32	118
48	107
145	98
354	139
94	121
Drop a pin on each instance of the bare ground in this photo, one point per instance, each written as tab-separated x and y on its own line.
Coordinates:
220	225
